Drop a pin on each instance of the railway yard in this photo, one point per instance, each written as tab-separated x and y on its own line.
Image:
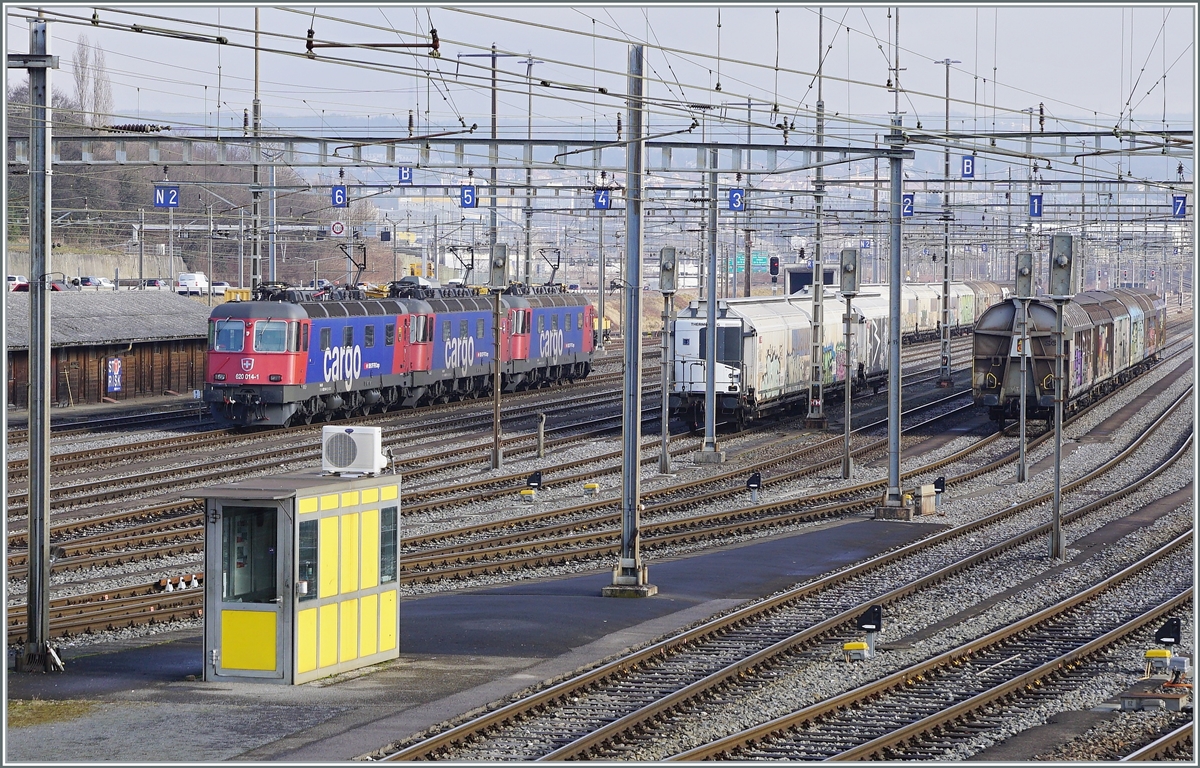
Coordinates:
741	654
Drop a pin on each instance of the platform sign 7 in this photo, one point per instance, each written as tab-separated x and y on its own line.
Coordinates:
737	199
406	175
1179	207
339	197
602	199
166	197
466	196
1035	206
907	201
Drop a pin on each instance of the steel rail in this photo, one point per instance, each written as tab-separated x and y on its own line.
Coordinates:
1166	747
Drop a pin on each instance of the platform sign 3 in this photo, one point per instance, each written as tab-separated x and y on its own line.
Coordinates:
968	166
466	196
166	197
907	201
406	175
602	199
1035	206
737	199
338	196
1179	207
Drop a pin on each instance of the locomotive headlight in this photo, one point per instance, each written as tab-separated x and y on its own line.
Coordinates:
218	377
275	377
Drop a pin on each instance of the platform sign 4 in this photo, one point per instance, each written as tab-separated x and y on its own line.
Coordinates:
907	201
602	199
406	175
1179	207
338	196
1035	206
466	196
968	166
737	199
166	197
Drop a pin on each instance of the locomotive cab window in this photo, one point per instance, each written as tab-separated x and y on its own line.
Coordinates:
270	336
326	338
225	336
389	334
369	336
348	336
293	340
304	337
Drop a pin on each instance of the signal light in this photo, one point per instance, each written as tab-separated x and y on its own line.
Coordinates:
774	265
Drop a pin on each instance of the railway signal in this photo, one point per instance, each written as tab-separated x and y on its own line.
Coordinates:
753	483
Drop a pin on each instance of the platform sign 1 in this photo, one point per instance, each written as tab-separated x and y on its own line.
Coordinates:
338	196
406	175
907	201
968	166
166	197
466	196
114	374
602	199
737	199
1035	206
1179	207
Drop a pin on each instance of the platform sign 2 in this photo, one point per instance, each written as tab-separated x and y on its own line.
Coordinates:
1035	206
406	175
737	199
114	374
968	166
602	199
1179	207
166	197
907	201
466	196
338	196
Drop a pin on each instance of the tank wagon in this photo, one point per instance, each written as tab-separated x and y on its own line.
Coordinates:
1108	338
294	355
764	345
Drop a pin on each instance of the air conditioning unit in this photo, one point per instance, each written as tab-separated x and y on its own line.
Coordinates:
352	450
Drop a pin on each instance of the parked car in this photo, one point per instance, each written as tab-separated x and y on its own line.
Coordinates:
16	281
191	282
95	282
154	282
218	287
62	285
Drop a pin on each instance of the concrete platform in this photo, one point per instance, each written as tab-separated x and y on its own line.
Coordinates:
459	651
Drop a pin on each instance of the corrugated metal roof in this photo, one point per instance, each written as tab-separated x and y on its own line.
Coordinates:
85	318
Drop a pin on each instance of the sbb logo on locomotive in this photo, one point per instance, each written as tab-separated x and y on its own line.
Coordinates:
343	363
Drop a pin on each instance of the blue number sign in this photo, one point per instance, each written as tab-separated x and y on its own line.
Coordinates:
866	244
602	199
906	204
338	195
737	199
1035	206
1179	207
983	247
166	197
405	175
466	195
968	166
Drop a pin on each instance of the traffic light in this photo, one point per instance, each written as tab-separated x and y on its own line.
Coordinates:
499	265
666	269
1024	273
849	271
1064	267
802	253
871	620
775	263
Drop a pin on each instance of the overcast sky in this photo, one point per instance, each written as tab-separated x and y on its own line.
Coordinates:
1085	64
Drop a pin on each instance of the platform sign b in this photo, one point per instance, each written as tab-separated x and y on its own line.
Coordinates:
968	166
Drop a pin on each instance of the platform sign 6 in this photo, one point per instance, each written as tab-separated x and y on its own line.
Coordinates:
602	199
339	197
405	175
1179	207
737	199
968	166
907	202
466	196
1035	206
166	197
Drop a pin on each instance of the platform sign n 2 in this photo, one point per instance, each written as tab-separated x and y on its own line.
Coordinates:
338	196
866	244
114	374
405	175
166	197
968	166
1035	206
602	199
906	204
466	196
737	199
1179	207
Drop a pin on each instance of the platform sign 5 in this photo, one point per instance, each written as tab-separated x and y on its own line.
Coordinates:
737	199
1179	207
338	196
114	374
166	197
466	196
1035	206
907	202
968	166
405	175
602	199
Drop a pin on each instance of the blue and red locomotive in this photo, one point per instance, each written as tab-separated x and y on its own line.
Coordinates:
295	355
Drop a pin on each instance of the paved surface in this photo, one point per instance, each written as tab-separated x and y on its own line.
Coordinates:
459	651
